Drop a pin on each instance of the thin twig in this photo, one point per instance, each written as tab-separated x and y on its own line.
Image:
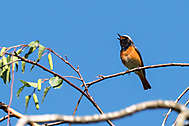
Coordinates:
72	77
76	107
11	91
69	64
136	69
5	117
178	115
78	102
176	101
187	102
66	61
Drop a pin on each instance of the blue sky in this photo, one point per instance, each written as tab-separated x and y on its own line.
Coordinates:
85	31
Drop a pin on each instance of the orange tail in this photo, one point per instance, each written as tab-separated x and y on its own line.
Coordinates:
144	81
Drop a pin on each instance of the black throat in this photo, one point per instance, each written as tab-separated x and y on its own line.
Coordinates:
125	45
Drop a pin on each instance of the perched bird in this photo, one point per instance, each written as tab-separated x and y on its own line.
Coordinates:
131	58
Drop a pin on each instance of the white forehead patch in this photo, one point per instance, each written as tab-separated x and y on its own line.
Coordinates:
128	37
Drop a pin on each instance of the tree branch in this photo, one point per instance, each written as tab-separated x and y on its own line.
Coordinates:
69	64
176	101
13	113
136	69
5	117
64	79
109	116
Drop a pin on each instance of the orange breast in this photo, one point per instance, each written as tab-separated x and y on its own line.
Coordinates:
131	58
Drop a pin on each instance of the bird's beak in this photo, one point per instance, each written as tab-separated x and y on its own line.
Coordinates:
119	36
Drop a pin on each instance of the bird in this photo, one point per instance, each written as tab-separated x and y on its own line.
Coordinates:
131	58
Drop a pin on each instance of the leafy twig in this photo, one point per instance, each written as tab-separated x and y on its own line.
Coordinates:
64	79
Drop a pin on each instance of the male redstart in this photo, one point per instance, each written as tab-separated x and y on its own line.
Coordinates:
131	58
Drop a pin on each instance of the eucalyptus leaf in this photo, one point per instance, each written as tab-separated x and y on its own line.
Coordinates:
29	84
19	91
50	61
55	82
41	50
36	100
33	46
13	60
8	77
4	61
39	84
46	90
23	66
3	51
27	99
19	51
4	76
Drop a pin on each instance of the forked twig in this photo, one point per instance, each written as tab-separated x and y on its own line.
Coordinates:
176	101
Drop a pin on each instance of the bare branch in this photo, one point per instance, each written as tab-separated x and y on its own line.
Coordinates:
5	117
136	69
176	101
109	116
13	113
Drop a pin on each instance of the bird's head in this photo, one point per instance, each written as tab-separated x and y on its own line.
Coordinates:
125	41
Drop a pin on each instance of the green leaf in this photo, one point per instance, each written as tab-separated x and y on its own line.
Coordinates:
9	58
16	66
29	84
25	83
19	91
39	84
27	99
36	100
1	68
33	45
8	78
29	52
41	50
19	51
4	76
23	66
46	90
4	60
15	59
55	82
3	51
33	65
50	61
